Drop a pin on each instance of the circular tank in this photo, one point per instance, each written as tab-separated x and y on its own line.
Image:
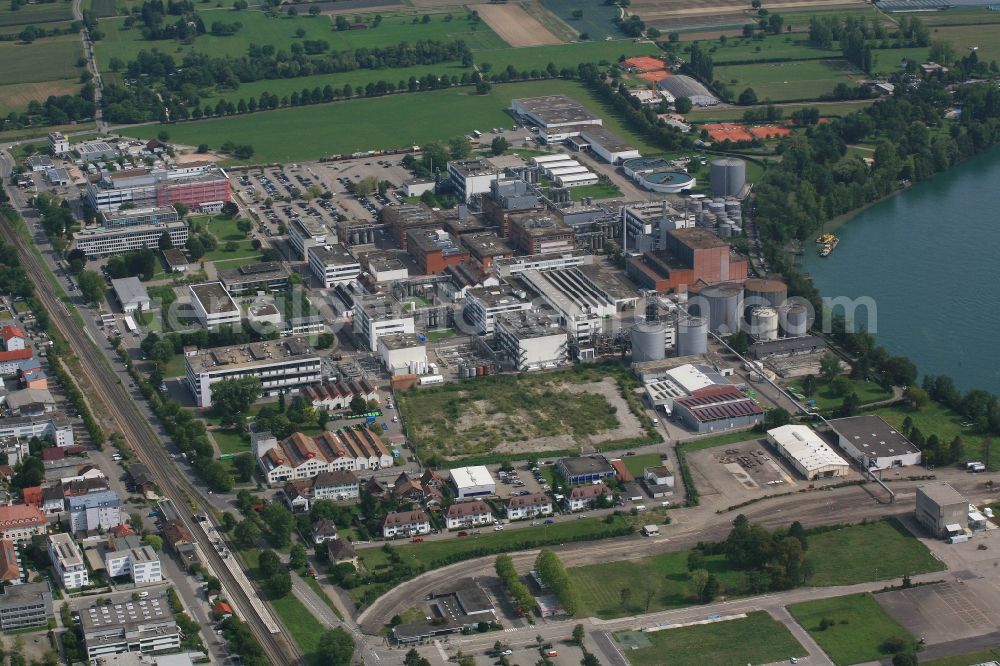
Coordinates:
725	231
795	320
649	340
763	292
764	323
723	302
727	177
692	336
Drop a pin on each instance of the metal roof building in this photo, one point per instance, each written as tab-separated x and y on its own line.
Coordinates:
807	452
131	294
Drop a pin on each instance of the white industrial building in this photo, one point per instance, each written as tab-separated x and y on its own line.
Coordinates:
471	177
807	452
680	382
568	170
333	264
282	365
551	111
607	145
58	143
576	179
67	562
304	234
131	294
106	241
941	509
126	625
531	342
403	353
475	481
378	316
873	443
213	305
484	304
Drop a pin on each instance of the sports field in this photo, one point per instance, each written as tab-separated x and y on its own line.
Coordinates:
788	81
35	14
756	639
855	630
375	123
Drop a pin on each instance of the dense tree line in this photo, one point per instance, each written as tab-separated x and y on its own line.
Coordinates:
519	593
769	560
55	110
157	20
553	574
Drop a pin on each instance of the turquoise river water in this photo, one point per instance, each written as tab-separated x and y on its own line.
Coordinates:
928	257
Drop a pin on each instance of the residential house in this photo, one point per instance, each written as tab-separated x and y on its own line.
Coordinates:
128	556
304	457
141	480
529	506
53	501
581	498
405	523
375	488
10	571
13	337
20	522
323	531
341	551
296	494
67	561
32	496
92	510
340	485
468	514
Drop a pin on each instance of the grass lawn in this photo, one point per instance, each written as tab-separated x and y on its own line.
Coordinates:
176	367
242	255
375	122
479	418
875	551
230	441
789	81
859	630
563	55
606	190
30	132
826	109
936	419
719	440
795	47
840	557
636	464
758	639
224	228
437	336
826	399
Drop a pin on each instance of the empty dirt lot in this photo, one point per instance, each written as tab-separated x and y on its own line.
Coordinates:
516	26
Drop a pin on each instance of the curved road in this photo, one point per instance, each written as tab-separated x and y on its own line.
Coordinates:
103	386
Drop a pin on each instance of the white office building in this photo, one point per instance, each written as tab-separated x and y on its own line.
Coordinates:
126	625
378	316
67	562
133	559
58	143
281	365
333	264
471	177
304	234
531	342
475	481
213	305
484	304
106	241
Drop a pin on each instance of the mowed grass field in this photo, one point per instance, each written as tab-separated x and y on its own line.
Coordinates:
36	14
756	639
853	554
37	70
597	20
789	81
394	121
859	627
795	46
936	419
826	109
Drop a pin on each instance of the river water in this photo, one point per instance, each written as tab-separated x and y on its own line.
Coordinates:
930	259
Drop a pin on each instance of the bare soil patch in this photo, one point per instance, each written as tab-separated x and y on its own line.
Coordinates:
516	26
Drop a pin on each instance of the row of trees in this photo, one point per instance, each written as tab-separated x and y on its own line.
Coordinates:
553	574
519	593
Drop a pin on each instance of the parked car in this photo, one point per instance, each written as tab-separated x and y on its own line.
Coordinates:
462	534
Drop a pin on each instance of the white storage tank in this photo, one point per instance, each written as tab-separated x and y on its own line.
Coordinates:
723	305
649	341
794	320
764	323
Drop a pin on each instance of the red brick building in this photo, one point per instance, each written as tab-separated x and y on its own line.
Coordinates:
690	256
434	250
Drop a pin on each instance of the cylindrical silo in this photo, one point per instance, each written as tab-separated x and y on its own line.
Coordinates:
728	175
764	323
725	231
692	336
794	320
761	292
649	340
724	304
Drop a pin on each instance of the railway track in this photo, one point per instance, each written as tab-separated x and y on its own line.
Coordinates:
106	388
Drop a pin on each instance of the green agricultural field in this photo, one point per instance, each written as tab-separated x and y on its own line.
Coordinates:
47	59
17	96
971	17
375	123
260	29
756	639
563	55
881	550
986	37
936	419
858	628
978	657
787	81
793	47
597	20
799	20
826	109
35	14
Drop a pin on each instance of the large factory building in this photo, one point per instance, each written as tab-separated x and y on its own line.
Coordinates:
689	256
807	452
875	444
